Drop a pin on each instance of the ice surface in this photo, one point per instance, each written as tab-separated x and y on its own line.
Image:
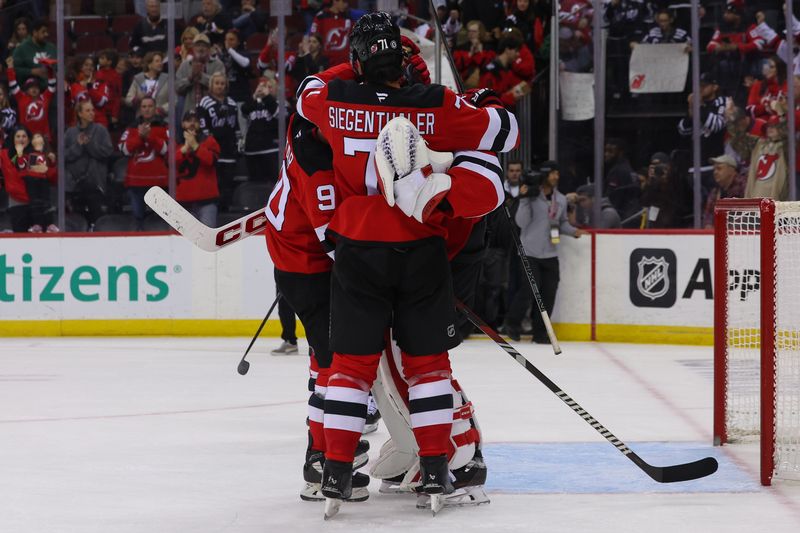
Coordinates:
162	435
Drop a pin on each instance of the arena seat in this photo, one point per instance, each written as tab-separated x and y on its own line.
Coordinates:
76	223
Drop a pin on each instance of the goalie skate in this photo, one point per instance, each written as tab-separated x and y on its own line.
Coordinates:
459	498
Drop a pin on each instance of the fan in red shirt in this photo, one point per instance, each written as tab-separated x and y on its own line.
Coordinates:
107	73
87	87
197	173
32	103
499	75
145	145
334	24
391	268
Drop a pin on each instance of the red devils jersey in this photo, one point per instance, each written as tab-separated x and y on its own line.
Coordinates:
98	93
33	111
302	203
147	157
335	30
350	116
746	41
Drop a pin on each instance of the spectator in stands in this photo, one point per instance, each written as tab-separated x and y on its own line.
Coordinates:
29	54
310	59
107	73
150	83
212	20
334	24
524	66
472	56
625	21
764	92
665	195
575	54
128	67
39	175
735	47
541	217
14	163
87	147
451	24
730	183
33	104
145	145
620	185
219	118
237	67
8	116
253	19
665	31
197	174
767	175
150	35
491	12
192	78
87	87
309	9
261	141
268	62
499	74
576	15
187	42
712	117
20	33
581	214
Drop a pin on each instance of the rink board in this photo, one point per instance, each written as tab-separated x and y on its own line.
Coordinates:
615	286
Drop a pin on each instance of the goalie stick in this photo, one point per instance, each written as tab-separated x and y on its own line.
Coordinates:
662	474
202	236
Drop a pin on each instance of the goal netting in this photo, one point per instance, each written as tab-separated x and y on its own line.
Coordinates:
757	331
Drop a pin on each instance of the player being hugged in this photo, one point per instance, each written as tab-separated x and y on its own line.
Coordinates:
391	264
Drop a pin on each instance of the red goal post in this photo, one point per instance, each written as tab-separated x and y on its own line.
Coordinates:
757	330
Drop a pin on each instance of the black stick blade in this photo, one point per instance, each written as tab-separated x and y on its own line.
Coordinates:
677	473
244	366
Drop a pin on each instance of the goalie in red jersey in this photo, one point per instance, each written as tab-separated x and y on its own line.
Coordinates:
391	265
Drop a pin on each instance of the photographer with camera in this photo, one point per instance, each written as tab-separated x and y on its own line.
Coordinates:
665	195
542	218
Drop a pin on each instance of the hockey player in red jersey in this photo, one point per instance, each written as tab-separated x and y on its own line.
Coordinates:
298	211
391	267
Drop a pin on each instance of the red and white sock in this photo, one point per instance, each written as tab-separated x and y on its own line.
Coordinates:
351	377
430	401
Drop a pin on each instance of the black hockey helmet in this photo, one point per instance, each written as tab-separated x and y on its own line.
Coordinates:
374	36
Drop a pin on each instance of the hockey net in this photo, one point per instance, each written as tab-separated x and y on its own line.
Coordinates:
757	331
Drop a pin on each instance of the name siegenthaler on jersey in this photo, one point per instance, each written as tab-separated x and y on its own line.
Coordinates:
365	121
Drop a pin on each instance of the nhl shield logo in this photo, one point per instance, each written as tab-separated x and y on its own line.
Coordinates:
652	279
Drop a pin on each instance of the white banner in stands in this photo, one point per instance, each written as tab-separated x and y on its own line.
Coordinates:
577	95
655	279
658	68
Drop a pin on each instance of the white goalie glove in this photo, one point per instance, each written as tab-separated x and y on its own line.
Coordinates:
410	175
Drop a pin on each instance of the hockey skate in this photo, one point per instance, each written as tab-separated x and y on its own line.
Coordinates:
312	474
468	486
373	417
337	485
435	480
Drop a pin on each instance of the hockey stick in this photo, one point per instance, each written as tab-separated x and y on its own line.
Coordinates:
205	238
532	282
662	474
244	366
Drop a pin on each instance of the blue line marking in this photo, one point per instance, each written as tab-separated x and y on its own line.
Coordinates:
597	468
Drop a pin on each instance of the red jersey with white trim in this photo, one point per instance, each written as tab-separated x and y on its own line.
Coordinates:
302	203
350	116
33	112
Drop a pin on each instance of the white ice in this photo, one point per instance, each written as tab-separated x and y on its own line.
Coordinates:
162	435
